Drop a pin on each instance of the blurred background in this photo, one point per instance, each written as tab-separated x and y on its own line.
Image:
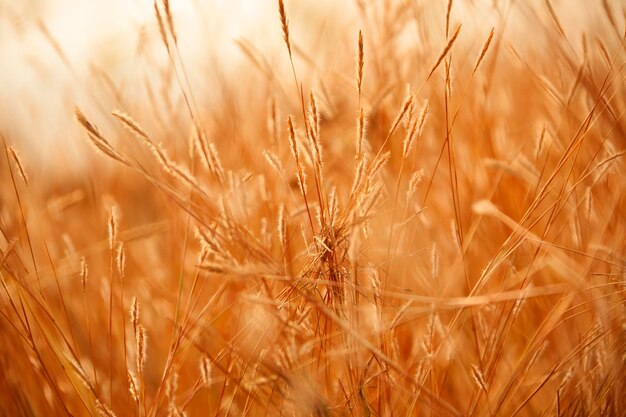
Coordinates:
60	53
99	55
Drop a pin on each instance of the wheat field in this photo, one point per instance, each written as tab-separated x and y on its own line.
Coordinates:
359	208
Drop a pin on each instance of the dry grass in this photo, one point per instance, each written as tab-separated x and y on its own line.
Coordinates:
465	255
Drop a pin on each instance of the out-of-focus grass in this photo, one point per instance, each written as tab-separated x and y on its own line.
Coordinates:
169	245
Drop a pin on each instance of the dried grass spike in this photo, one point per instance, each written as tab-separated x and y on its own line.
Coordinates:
171	386
315	129
104	410
360	135
215	164
170	19
448	12
445	52
416	179
83	272
358	176
484	50
140	345
378	163
112	229
274	162
398	119
134	314
97	139
314	113
370	200
18	162
434	262
479	378
121	258
162	32
205	370
415	131
295	150
359	71
85	123
132	386
408	139
292	139
285	24
282	226
423	117
131	124
200	144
